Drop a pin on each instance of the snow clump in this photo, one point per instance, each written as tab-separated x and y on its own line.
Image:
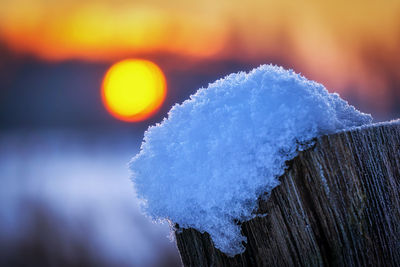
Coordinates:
206	165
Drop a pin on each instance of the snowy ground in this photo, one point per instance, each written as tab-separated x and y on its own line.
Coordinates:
67	198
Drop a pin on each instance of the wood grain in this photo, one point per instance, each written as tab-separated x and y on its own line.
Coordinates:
338	205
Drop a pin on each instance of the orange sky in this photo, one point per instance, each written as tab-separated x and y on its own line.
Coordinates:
105	29
325	39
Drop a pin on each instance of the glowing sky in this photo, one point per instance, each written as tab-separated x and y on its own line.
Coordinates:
109	28
334	42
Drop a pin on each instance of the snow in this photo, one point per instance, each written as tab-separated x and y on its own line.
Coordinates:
206	164
58	195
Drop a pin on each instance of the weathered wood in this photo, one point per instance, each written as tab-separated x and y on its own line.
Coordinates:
338	205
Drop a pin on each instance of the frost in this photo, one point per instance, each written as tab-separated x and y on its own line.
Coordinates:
206	164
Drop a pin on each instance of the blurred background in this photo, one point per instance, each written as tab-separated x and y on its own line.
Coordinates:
65	194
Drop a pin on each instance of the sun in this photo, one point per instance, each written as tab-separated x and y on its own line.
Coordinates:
133	89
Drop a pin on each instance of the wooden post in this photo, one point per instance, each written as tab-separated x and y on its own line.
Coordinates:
338	205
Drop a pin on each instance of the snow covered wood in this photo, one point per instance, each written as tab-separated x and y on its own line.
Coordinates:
338	204
205	166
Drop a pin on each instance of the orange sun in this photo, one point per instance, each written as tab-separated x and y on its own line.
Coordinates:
133	89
